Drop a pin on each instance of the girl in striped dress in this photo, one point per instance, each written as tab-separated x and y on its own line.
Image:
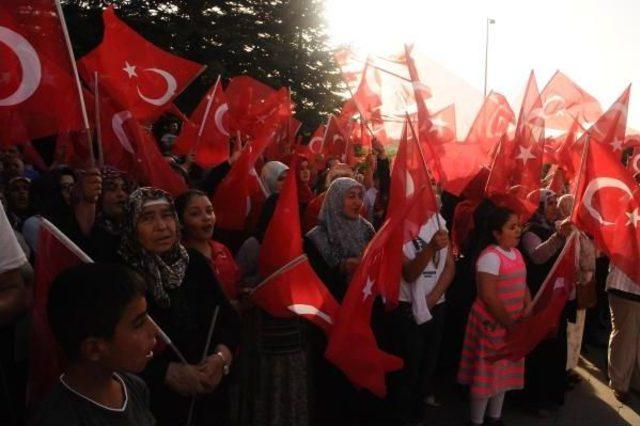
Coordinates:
502	300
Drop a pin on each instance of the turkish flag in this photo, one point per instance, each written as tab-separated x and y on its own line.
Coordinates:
352	345
611	127
425	124
130	147
38	91
607	207
232	198
517	166
292	287
137	74
206	133
55	254
562	101
492	121
367	97
443	125
335	139
547	307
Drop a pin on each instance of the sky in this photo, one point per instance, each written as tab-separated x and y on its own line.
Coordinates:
594	42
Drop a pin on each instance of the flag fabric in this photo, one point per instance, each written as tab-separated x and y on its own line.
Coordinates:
232	198
291	287
138	75
563	101
424	119
38	90
443	125
335	139
611	127
547	305
206	133
130	147
607	207
352	345
517	166
493	120
55	254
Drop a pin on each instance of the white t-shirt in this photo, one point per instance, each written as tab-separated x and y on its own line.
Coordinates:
489	262
429	276
11	255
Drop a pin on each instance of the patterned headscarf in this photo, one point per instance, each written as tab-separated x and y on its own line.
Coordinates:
162	272
109	174
270	174
338	237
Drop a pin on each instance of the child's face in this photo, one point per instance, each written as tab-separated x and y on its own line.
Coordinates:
134	338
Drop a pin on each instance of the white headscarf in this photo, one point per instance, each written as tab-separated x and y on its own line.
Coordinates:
270	174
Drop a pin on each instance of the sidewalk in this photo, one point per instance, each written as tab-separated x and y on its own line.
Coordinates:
591	402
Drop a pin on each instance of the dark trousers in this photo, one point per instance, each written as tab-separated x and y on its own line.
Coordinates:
419	347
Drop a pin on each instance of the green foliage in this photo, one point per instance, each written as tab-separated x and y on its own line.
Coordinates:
279	42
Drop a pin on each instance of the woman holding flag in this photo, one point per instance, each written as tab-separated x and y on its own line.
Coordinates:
183	294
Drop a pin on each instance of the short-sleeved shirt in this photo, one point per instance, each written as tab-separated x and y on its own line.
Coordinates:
489	262
431	273
11	254
65	406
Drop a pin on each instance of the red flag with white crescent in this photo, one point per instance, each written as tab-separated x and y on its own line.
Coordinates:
137	74
607	207
38	91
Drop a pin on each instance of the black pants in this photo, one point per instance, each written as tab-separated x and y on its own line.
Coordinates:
419	347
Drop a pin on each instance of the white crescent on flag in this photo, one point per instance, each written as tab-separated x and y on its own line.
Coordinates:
316	141
29	62
594	186
302	309
218	116
172	86
117	122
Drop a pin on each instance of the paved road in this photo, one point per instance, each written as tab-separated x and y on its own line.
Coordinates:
591	402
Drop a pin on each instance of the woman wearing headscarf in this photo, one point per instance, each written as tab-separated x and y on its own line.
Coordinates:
182	295
336	244
107	230
274	366
335	247
542	242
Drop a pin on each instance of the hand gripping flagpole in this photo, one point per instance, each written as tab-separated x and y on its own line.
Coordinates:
83	106
207	345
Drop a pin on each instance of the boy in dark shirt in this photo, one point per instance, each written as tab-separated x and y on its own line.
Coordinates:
98	315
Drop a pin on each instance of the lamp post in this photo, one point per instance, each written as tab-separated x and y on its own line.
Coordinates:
486	54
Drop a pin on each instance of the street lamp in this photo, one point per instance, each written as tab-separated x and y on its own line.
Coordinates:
486	54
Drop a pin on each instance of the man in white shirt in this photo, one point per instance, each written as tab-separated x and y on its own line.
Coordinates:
624	349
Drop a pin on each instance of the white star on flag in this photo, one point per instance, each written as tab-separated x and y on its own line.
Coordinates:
366	291
616	145
634	218
130	69
525	154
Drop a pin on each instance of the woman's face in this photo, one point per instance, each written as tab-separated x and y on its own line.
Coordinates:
304	171
353	202
551	212
114	197
198	218
157	228
509	236
66	185
280	181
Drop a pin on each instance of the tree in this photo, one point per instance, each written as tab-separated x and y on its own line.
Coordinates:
279	42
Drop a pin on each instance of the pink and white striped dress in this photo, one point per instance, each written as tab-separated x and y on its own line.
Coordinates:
484	336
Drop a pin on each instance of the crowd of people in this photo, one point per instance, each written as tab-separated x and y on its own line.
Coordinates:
162	264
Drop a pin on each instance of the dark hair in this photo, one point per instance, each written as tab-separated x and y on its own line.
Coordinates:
495	221
88	300
183	199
